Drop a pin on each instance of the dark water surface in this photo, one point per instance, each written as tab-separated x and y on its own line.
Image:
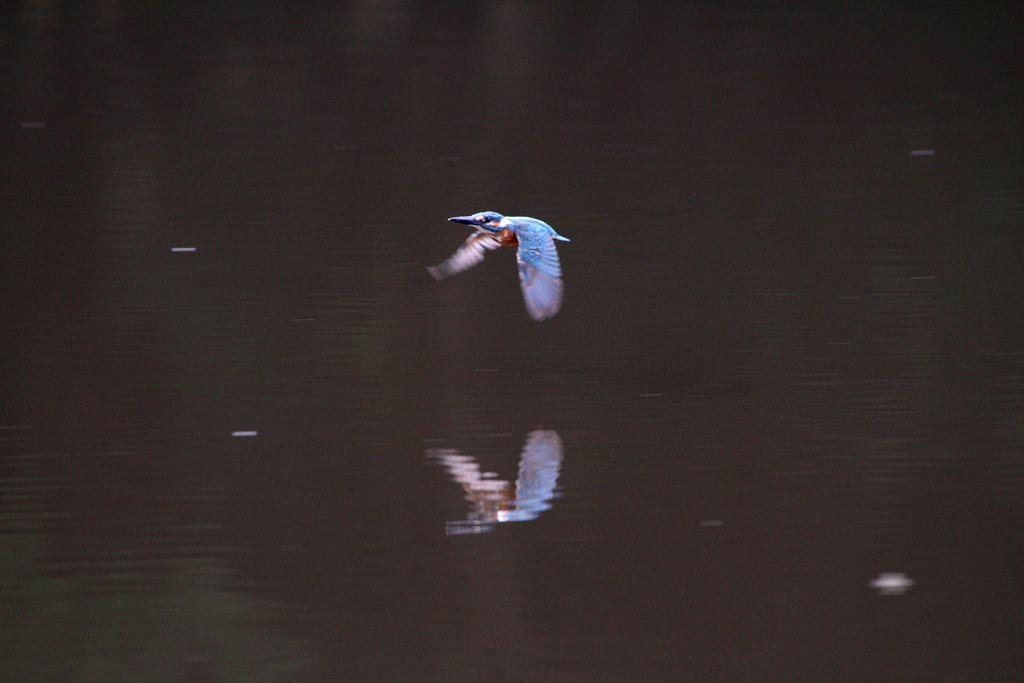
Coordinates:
775	434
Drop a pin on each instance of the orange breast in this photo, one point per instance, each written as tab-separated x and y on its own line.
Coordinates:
508	238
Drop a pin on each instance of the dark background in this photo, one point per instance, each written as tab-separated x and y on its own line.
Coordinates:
790	356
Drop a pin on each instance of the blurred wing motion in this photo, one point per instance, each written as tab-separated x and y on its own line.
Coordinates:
468	255
540	273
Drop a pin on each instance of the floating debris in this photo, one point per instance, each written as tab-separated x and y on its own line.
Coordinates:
32	125
892	583
922	152
182	250
244	433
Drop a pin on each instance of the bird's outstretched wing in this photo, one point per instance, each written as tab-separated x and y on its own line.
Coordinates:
468	255
540	272
539	466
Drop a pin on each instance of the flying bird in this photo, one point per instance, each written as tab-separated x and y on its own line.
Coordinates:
540	272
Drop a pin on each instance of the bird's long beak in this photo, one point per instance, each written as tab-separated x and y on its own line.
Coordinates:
468	220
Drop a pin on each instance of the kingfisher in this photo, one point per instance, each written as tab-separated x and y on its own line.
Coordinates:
540	272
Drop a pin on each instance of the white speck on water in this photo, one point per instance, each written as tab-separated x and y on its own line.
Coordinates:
183	250
33	125
892	583
244	433
922	152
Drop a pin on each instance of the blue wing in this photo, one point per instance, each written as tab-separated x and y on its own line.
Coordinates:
540	272
539	466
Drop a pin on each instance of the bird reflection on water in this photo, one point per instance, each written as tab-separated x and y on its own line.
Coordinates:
495	500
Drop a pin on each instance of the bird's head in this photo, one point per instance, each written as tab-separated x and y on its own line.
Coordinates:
485	220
